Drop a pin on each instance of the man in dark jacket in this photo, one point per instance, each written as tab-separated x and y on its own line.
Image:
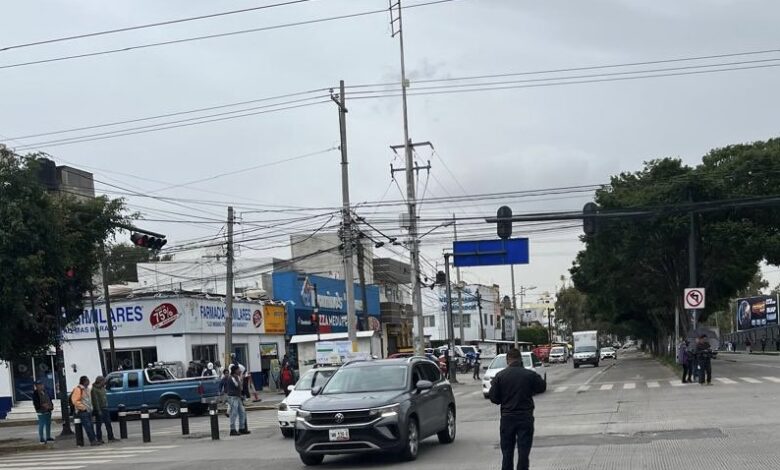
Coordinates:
703	354
513	388
100	407
234	395
43	406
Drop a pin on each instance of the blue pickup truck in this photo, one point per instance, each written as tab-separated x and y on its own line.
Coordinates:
160	390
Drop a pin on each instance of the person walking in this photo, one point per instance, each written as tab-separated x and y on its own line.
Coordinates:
513	389
286	378
234	394
43	407
763	344
749	346
82	402
475	376
684	360
100	405
703	360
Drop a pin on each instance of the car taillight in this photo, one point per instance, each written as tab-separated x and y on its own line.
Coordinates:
201	390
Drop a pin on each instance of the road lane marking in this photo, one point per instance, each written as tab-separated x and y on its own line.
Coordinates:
561	389
583	388
675	383
724	380
772	379
81	459
606	387
629	386
12	463
750	380
653	384
57	467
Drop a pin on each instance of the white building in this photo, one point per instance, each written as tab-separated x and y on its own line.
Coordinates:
490	322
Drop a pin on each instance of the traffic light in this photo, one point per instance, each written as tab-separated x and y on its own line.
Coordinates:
146	241
441	278
504	222
590	224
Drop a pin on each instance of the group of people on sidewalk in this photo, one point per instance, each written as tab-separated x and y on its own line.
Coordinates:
696	361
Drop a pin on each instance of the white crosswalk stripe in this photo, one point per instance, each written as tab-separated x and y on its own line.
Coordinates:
629	386
561	389
750	380
725	380
583	388
606	387
653	384
676	383
772	379
75	459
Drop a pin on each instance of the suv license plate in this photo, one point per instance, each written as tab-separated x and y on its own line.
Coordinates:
338	434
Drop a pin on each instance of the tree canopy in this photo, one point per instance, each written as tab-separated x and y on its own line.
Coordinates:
634	269
123	258
48	253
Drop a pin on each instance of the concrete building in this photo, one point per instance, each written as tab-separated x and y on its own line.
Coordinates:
475	326
393	278
320	254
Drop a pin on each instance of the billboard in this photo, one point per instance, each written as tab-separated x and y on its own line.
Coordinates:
756	312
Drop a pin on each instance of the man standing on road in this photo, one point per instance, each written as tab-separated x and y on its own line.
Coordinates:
703	362
477	364
82	402
684	360
237	411
513	388
100	405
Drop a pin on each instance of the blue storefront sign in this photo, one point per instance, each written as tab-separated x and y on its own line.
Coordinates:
297	291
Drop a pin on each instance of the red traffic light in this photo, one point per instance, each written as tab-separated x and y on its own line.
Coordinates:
145	241
70	273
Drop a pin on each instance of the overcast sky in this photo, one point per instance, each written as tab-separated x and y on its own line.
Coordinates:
494	141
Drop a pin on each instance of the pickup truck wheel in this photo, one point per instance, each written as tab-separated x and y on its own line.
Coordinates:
312	459
171	408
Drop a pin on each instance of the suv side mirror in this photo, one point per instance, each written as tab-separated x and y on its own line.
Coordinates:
423	385
315	391
290	388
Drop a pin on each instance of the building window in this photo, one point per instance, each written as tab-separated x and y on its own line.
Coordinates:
204	353
491	320
466	320
429	321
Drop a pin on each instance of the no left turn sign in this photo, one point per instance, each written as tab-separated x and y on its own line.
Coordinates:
694	298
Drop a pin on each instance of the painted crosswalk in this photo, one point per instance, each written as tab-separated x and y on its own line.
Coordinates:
75	459
660	385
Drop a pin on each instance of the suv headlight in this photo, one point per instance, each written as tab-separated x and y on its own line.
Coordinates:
302	414
386	411
282	406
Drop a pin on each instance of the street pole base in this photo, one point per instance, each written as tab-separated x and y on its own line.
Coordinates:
66	431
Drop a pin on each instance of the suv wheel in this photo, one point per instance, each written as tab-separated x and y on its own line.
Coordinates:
409	451
447	435
312	459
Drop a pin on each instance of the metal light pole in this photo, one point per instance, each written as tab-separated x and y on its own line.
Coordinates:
514	303
451	350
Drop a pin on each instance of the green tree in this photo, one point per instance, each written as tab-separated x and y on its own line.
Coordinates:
533	334
43	236
634	270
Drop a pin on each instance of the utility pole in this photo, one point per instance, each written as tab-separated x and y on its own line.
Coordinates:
460	292
107	297
692	279
414	253
514	302
229	289
481	326
61	385
346	215
361	265
451	364
96	323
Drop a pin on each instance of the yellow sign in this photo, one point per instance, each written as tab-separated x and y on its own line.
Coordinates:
274	319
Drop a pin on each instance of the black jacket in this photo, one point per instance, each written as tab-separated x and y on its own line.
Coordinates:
513	388
39	401
233	386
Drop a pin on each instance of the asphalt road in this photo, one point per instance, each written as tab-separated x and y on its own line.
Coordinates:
628	414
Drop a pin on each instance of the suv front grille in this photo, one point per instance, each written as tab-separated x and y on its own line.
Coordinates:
328	418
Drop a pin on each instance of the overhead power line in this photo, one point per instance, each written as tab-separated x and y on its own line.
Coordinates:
212	36
149	25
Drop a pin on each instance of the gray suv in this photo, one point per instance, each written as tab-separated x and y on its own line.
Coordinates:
387	405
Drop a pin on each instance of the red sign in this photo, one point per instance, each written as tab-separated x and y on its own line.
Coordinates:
163	316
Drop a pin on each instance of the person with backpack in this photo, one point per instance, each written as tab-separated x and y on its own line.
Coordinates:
82	404
100	405
43	407
286	378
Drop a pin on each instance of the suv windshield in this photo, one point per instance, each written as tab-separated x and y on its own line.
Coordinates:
607	350
585	349
377	378
556	350
313	378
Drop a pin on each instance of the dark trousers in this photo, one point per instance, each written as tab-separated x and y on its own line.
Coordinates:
705	368
516	432
86	424
103	418
475	376
686	376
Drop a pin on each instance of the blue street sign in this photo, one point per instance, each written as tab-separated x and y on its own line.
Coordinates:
490	252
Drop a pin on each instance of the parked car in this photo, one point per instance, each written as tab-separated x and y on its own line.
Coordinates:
558	354
299	393
530	361
157	388
542	352
387	405
607	353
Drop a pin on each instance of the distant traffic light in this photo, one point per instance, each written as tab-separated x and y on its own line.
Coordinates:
590	224
146	241
504	223
441	278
